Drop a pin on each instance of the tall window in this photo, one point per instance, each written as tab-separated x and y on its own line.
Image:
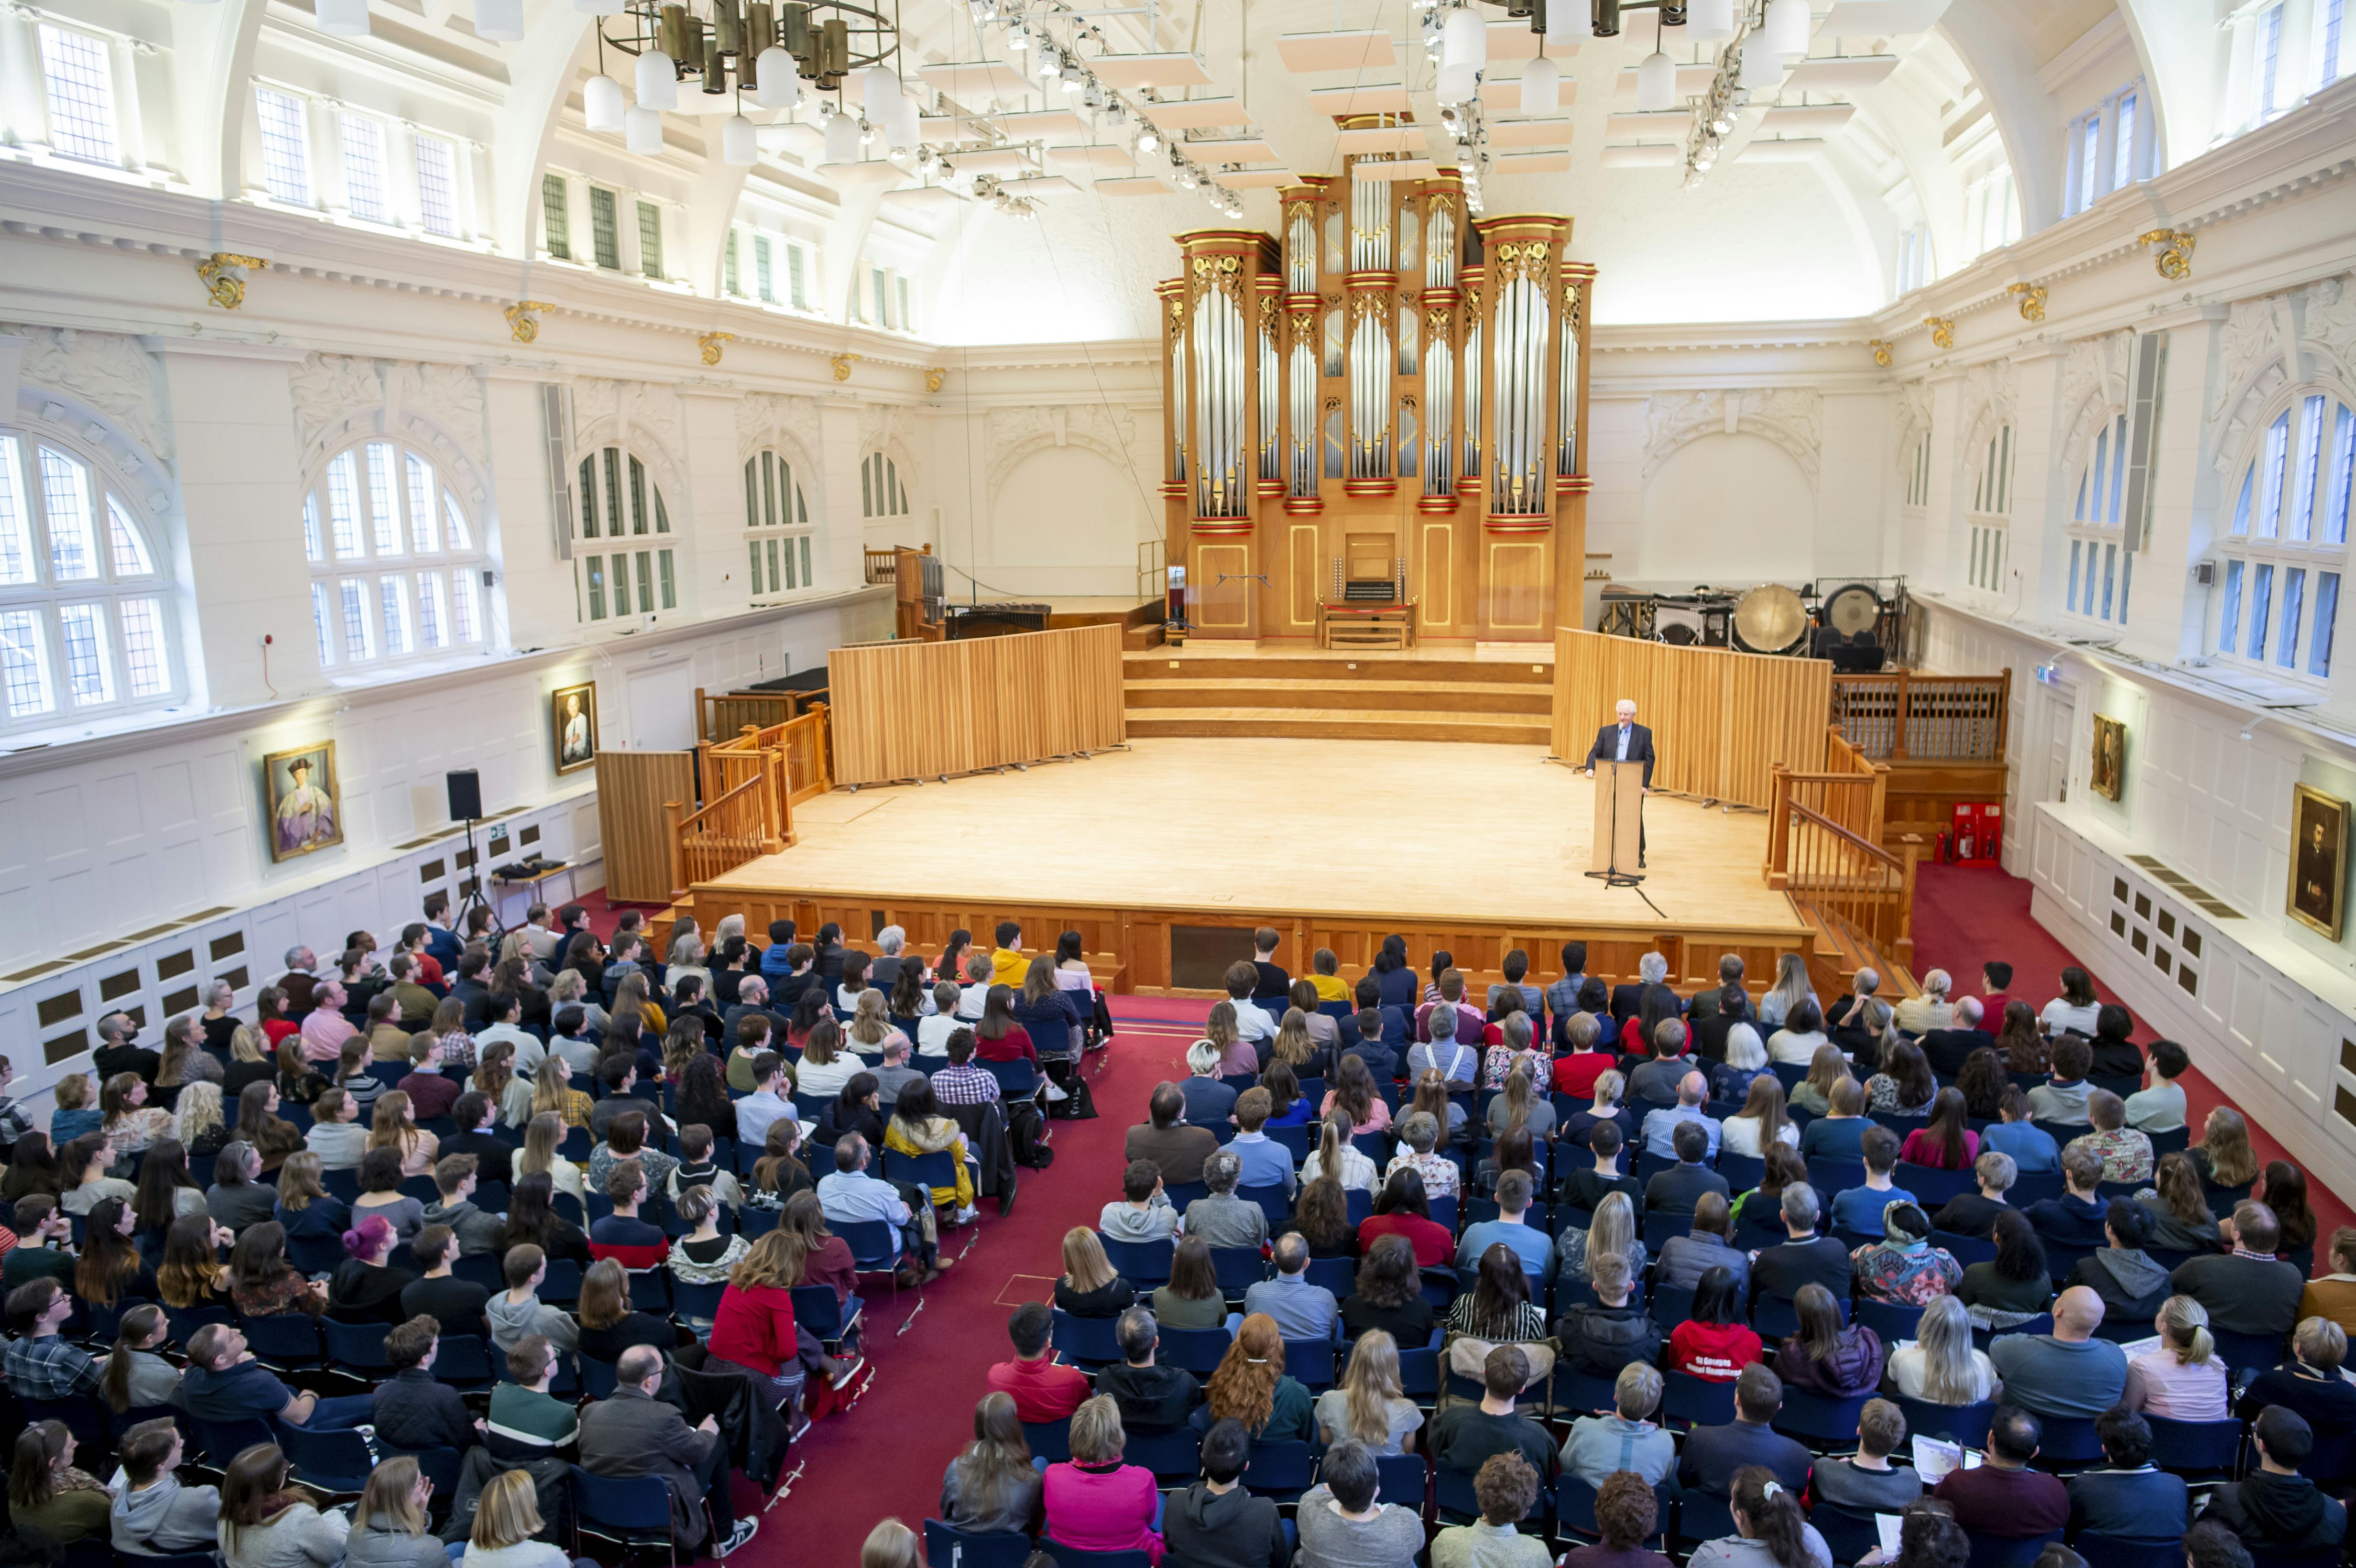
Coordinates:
1918	473
2102	569
1914	258
1991	523
79	79
732	272
2330	32
651	244
437	186
2279	598
605	229
86	619
364	189
881	493
2267	64
285	146
764	268
396	567
2109	146
624	564
776	525
556	216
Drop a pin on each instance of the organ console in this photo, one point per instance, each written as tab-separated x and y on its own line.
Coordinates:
1386	402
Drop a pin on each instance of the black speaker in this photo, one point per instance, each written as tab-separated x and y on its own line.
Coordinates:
466	794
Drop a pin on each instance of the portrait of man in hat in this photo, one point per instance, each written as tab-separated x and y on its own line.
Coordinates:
303	808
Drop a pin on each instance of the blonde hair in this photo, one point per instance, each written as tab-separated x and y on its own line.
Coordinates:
199	1110
1610	1083
1613	1229
1219	1027
1293	1041
508	1513
870	1019
541	1136
1369	1382
390	1128
551	1084
1950	1376
73	1091
2184	1331
1085	1263
1097	1434
246	1043
392	1494
299	1181
569	985
2224	1138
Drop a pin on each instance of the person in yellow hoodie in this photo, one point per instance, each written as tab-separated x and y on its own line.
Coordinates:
1325	975
1007	965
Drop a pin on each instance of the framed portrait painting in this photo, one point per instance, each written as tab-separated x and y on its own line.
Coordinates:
2319	861
2109	774
573	723
300	792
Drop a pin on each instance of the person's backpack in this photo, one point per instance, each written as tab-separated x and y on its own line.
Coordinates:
1024	1127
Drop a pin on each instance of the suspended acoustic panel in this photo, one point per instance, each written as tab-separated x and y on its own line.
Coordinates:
1792	150
1089	157
1659	155
1254	179
1511	39
1195	113
1398	169
1130	72
1693	81
1232	150
1881	18
1042	124
1380	139
1000	161
1529	133
1846	73
1369	50
1669	124
976	82
1131	185
1534	162
1806	119
1506	92
1360	99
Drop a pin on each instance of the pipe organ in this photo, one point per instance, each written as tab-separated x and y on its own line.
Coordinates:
1386	400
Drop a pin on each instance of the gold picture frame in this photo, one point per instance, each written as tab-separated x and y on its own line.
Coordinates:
302	807
573	726
2108	776
2318	895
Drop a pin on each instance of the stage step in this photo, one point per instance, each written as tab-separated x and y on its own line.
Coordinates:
1428	671
1320	723
1487	697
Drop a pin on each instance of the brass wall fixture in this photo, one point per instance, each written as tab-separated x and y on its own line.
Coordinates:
1881	354
223	275
2174	259
2032	300
709	343
523	319
1943	330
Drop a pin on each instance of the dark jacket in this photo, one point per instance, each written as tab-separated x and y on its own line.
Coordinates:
2326	1401
631	1434
1230	1530
2132	1287
1677	1190
1947	1050
1152	1400
2279	1513
2068	1222
2243	1296
1854	1367
1600	1341
1712	1455
412	1413
1779	1271
2136	1505
1607	748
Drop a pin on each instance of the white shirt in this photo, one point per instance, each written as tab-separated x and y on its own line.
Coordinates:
969	1000
2060	1015
1625	733
810	1078
1739	1135
529	1053
1252	1021
1906	1365
1785	1046
933	1035
1357	1170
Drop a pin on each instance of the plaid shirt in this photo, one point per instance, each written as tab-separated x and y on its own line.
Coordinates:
48	1369
964	1084
457	1053
14	1125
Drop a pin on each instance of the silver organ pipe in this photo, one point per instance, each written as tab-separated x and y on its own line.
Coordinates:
1301	460
1220	482
1370	390
1472	333
1300	250
1439	406
1517	479
1270	378
1565	397
1178	423
1439	254
1370	221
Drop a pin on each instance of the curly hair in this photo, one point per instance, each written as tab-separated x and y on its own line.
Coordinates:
1506	1488
1244	1386
1626	1511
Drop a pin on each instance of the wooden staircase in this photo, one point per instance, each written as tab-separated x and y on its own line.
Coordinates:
1332	696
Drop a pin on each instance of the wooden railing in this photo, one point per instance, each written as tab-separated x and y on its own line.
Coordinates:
740	824
882	565
1907	717
1859	892
721	714
1852	791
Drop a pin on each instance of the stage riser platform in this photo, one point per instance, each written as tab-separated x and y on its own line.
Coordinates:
1338	697
1192	663
1530	702
1329	725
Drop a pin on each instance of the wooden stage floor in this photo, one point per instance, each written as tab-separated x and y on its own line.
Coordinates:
1453	831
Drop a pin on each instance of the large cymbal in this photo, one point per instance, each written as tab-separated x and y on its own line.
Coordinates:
1770	620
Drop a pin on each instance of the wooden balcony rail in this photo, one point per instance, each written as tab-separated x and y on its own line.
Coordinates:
1907	717
883	565
1862	895
740	825
1853	792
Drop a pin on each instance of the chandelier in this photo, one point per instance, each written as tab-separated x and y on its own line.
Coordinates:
725	46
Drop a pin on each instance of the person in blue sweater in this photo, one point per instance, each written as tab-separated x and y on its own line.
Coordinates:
2075	1218
1857	1210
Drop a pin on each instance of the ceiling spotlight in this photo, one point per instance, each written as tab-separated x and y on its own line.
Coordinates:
1051	65
866	132
1149	140
1186	180
1018	38
948	171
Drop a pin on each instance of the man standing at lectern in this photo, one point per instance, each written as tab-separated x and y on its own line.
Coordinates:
1624	742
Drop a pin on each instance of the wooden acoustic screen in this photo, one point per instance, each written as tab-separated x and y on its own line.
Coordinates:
632	787
1720	721
907	710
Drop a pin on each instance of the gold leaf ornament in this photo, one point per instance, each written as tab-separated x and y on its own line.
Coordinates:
2174	257
710	345
523	319
223	275
1943	330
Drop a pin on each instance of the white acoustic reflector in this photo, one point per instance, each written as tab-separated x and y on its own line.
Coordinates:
345	18
657	81
1541	87
602	104
740	143
777	85
501	21
642	130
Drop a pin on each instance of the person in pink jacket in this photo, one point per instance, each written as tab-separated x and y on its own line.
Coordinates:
1096	1503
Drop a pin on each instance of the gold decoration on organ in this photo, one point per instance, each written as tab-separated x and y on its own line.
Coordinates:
1385	381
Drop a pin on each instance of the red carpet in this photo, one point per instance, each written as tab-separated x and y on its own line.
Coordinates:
1965	915
885	1455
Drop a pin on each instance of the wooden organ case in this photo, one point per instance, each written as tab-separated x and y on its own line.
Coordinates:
1387	405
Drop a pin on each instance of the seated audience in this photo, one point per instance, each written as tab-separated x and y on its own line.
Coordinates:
1092	1501
1973	1213
1215	1522
1402	1209
1178	1149
1715	1344
1300	1309
2159	1106
1858	1209
2130	1282
1903	1267
634	1433
1627	1514
1467	1433
2274	1509
1710	1244
1220	1219
2002	1496
1942	1366
2075	1218
2183	1380
2246	1290
2126	1151
2068	1373
1343	1522
1506	1488
1804	1257
2016	1285
1622	1438
1827	1356
1367	1406
989	1489
1715	1455
2128	1497
1601	1336
2309	1383
414	1411
1865	1481
1250	1385
2032	1148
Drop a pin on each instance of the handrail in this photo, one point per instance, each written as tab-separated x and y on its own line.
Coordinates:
1870	850
1925	717
736	827
1862	893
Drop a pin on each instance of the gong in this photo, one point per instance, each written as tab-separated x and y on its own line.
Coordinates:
1770	620
1853	609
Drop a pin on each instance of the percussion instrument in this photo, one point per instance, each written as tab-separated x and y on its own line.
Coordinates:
1851	609
1769	619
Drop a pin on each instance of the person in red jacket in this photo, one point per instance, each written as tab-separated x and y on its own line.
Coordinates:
755	1326
1043	1391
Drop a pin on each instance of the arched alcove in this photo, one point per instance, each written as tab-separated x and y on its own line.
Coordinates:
1727	509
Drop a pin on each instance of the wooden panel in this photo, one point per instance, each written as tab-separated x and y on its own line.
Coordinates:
904	710
1517	578
1301	584
1720	719
632	787
1436	595
1228	603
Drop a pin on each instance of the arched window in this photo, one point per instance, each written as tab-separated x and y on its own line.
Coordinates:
1992	513
2283	559
776	525
881	493
624	534
85	620
2102	569
396	567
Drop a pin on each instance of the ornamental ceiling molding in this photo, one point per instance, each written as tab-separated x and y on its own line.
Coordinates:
642	419
1791	417
1014	434
106	371
2301	334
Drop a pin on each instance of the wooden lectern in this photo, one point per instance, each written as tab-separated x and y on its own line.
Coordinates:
1619	821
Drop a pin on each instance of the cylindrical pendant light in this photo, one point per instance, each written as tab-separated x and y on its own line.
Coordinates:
500	21
657	81
1464	39
1709	21
1607	19
1456	84
1762	68
642	130
1657	84
842	139
877	88
344	19
740	144
1788	26
602	104
904	131
1541	87
776	85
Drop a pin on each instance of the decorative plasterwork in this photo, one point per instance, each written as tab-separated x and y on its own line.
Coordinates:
642	417
105	370
1013	434
328	392
2271	341
1913	423
338	399
1791	417
2094	388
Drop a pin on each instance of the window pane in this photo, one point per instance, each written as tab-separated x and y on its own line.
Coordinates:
420	479
2294	604
731	272
2261	594
2229	620
2306	456
645	585
2110	575
638	496
808	580
752	549
437	186
382	512
2118	469
764	277
356	632
2343	471
393	595
319	623
363	142
25	663
453	523
794	278
123	543
651	254
344	506
596	569
465	616
90	674
2126	580
773	563
555	217
613	492
2123	159
605	230
2100	468
662	517
65	498
752	492
2071	598
81	83
2242	507
619	565
143	647
15	540
2327	613
669	591
430	619
588	497
2085	482
2270	476
285	147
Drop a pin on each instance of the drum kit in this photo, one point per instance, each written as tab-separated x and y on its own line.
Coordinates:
1852	624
